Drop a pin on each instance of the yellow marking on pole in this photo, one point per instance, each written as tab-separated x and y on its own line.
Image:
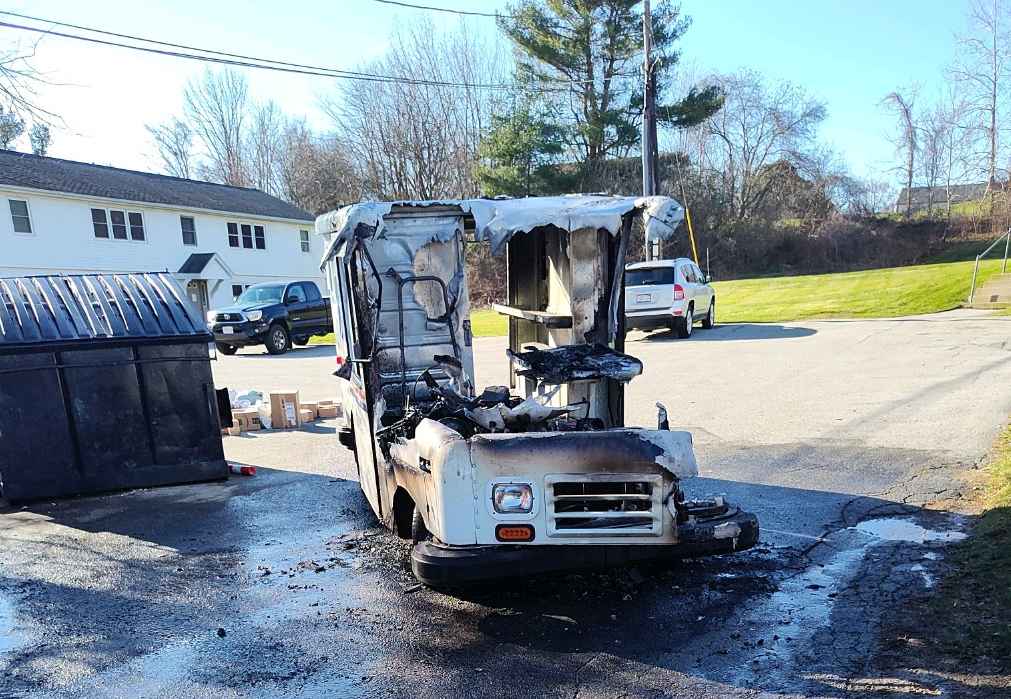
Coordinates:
691	234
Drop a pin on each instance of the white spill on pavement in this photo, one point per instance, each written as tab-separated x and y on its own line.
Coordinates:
896	529
8	634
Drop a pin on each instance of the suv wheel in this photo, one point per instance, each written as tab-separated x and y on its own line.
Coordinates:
683	326
277	340
710	319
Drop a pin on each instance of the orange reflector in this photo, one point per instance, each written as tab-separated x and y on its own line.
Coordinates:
514	532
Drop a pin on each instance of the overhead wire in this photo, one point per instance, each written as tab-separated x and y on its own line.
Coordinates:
246	61
447	10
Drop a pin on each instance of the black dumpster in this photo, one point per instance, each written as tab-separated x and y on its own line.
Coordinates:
105	384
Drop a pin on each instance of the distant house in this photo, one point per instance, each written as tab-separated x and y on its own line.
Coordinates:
937	197
70	217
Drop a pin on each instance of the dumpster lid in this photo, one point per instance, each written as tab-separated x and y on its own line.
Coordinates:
39	310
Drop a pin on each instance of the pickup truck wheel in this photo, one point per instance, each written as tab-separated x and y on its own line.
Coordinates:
226	349
278	341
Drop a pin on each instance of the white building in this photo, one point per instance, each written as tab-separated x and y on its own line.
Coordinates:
65	217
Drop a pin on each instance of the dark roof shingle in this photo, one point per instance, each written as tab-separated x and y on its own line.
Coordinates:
70	176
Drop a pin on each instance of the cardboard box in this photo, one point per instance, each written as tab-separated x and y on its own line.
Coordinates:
247	419
321	403
284	410
306	416
234	431
311	407
327	411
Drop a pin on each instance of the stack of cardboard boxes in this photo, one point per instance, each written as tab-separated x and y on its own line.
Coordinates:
282	410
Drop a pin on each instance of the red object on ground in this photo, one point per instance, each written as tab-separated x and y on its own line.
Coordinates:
242	470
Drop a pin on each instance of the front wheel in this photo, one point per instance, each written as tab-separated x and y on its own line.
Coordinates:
710	320
683	326
225	349
277	340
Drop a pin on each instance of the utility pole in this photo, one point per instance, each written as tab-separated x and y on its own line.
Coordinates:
649	147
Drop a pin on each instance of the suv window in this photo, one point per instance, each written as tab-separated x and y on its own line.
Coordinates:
689	274
312	291
699	274
649	276
295	294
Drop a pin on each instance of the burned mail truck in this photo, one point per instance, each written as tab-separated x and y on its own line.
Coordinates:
537	476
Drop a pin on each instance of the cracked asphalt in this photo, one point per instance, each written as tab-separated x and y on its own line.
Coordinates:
283	584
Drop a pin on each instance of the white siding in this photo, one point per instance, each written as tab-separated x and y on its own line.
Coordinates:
63	241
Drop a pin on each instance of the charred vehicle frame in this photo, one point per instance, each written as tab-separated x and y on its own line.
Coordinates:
542	474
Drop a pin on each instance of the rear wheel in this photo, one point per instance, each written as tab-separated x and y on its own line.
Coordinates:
683	326
225	349
710	319
277	340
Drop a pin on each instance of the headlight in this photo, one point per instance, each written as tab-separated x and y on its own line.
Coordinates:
513	498
254	315
211	315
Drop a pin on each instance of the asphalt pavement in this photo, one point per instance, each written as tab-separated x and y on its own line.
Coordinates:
836	433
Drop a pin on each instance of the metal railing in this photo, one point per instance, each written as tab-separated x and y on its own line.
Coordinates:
1006	237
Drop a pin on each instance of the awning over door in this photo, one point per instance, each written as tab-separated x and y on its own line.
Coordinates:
204	265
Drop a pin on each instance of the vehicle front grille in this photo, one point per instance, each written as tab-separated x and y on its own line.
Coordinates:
604	505
228	318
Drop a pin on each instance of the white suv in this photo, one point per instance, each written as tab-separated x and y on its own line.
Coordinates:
668	293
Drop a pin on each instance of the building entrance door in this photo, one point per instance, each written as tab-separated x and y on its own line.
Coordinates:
196	289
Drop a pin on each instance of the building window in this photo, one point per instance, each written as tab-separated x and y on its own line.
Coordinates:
19	216
136	226
125	225
118	219
252	237
303	239
98	220
189	228
237	290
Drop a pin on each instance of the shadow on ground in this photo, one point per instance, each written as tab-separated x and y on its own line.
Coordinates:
110	581
736	331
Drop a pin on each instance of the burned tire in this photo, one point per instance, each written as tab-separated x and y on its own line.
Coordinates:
278	341
226	349
710	320
419	532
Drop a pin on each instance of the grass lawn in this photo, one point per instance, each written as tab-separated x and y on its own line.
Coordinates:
896	291
971	613
875	293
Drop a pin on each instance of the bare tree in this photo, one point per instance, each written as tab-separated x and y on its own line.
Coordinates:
956	143
906	142
759	125
175	146
11	128
40	138
19	83
314	172
933	134
216	109
419	140
264	146
982	68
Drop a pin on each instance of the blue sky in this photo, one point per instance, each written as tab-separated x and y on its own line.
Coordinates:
848	54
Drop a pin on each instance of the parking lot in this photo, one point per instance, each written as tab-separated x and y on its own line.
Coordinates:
836	433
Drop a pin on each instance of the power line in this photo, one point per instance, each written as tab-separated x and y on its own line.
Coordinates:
238	60
430	8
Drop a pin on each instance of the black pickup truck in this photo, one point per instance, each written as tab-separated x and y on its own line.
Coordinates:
274	314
